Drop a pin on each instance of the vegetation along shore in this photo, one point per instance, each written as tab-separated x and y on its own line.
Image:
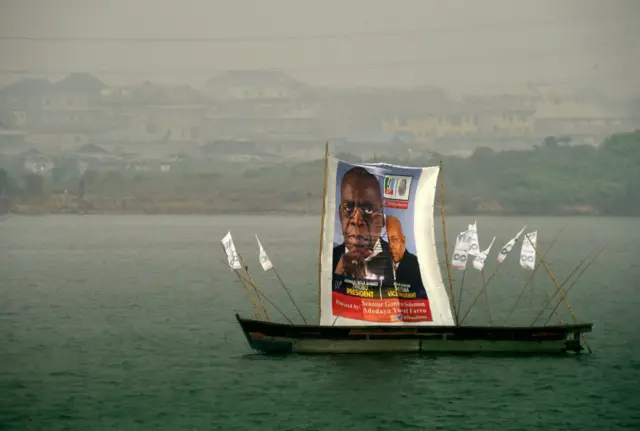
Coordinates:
553	178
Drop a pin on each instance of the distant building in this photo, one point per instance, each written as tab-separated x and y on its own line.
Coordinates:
256	85
70	106
467	118
36	162
165	113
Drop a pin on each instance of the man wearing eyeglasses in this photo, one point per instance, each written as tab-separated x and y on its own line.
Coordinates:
364	254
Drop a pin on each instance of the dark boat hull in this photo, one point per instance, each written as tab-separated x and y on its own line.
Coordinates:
272	337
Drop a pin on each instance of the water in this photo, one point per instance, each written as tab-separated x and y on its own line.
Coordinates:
126	322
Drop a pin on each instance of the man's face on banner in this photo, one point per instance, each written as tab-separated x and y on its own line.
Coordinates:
360	209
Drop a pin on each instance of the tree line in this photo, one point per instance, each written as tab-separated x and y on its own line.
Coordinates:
554	177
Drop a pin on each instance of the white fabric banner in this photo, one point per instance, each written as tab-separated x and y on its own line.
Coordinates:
379	262
230	250
479	261
528	251
264	259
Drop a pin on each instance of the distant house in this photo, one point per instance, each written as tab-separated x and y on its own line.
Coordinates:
469	117
257	85
366	145
21	102
70	105
584	122
243	120
126	136
165	113
36	162
92	149
11	137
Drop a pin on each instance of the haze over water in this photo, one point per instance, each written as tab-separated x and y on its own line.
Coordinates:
127	322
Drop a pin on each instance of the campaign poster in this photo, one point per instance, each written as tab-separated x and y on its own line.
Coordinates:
383	263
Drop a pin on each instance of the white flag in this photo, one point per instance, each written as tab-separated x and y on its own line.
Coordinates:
478	262
264	259
474	247
509	246
230	250
461	249
528	251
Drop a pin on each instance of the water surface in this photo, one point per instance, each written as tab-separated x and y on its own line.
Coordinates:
126	322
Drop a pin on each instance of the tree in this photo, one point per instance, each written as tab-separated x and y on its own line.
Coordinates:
4	181
34	184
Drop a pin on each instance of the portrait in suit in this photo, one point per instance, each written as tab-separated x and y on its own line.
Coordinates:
363	253
406	270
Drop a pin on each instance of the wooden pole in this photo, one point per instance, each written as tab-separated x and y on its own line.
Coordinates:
484	287
464	271
555	282
274	305
486	299
324	208
288	293
572	284
246	287
255	288
561	285
446	250
549	297
531	276
533	284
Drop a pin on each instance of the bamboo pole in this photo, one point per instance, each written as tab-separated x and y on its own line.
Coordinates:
549	297
532	275
246	287
462	285
555	282
561	285
564	297
256	310
255	287
288	293
486	299
270	302
484	287
572	284
533	284
324	208
446	250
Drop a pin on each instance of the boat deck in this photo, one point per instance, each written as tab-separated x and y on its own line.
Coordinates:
280	337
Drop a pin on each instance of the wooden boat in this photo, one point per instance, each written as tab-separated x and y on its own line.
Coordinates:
378	295
272	337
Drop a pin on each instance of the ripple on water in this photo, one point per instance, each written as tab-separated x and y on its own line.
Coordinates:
127	323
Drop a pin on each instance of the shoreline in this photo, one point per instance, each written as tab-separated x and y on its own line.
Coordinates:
100	205
282	213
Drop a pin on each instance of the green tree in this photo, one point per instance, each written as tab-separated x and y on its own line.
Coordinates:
34	184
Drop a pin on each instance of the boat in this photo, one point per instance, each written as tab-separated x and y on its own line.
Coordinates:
380	287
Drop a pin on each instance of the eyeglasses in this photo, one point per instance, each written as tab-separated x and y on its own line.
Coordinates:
367	209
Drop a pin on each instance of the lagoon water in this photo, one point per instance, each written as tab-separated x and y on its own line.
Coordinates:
127	323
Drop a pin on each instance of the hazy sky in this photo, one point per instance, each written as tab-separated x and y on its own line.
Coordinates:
457	44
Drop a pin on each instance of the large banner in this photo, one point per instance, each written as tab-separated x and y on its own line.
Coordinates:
379	261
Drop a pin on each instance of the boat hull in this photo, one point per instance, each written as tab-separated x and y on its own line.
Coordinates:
271	337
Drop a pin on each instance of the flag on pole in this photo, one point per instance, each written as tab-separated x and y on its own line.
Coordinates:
264	259
481	258
509	246
528	251
474	246
461	249
230	250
